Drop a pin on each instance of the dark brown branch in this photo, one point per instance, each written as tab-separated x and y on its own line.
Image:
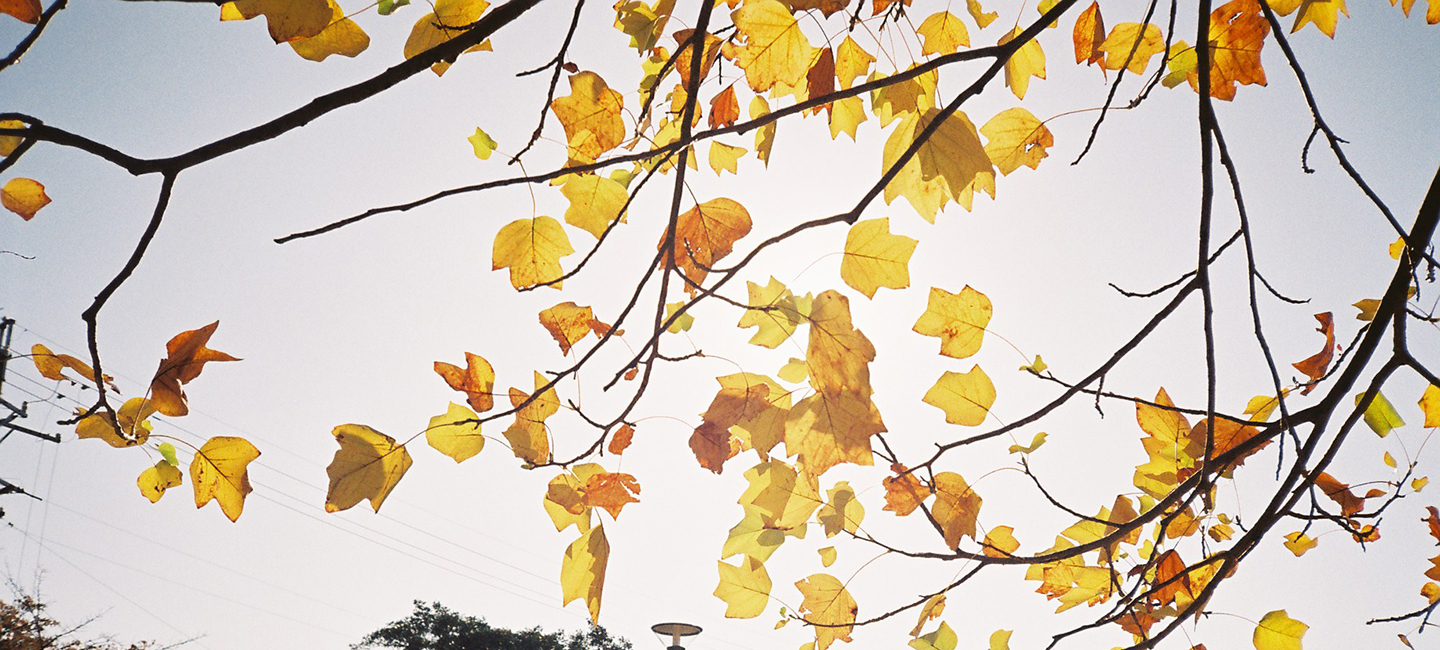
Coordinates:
559	63
1178	281
1115	87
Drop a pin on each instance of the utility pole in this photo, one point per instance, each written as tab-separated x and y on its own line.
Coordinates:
9	412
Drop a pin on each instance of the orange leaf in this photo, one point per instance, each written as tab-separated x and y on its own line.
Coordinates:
568	322
477	380
1434	521
620	440
52	366
1089	34
187	356
611	491
27	11
1237	32
1340	493
903	494
724	109
1314	367
705	234
956	507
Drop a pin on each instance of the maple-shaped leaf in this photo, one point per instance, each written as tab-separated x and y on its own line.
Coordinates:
711	441
1170	444
565	497
341	36
965	398
154	481
1237	33
455	433
775	311
531	249
783	497
956	507
846	115
1000	542
1130	46
1089	33
851	62
724	110
287	20
582	572
752	537
828	604
683	60
745	588
838	355
1277	631
127	428
1028	61
761	424
1314	366
942	638
724	157
959	320
1323	14
827	430
875	258
931	610
1340	493
842	511
903	494
568	322
219	471
610	491
476	380
950	166
590	115
1229	434
528	439
705	234
1380	415
52	366
449	20
942	33
24	197
186	356
642	22
770	48
27	11
368	465
595	202
1298	543
1015	138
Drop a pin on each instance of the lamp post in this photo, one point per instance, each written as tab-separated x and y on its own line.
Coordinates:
675	631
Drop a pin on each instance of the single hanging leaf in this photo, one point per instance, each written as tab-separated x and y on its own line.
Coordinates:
705	234
1340	493
982	18
129	427
956	507
52	366
449	20
24	197
771	47
219	472
875	258
568	322
943	33
1000	640
476	380
368	465
27	11
775	311
1261	407
1015	138
531	249
827	602
1144	40
820	80
595	202
1035	443
1089	34
724	157
1419	483
851	62
1001	542
186	356
1390	460
528	438
965	398
591	117
582	572
842	511
1028	61
1430	405
167	451
724	111
9	143
846	115
455	433
1277	631
1380	415
1367	308
1298	543
620	440
744	588
1314	367
943	638
1237	33
827	556
931	610
1037	367
287	20
483	144
155	480
340	36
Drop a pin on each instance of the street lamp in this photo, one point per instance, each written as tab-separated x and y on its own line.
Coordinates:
675	631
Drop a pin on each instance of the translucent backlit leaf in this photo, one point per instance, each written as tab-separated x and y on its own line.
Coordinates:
449	20
982	17
1089	33
851	62
568	322
826	602
1380	415
1130	46
1277	631
956	507
724	157
155	480
842	511
943	638
1035	443
1430	405
287	20
775	311
1015	138
341	36
1000	542
1028	61
219	471
27	11
127	428
931	610
483	144
965	398
368	465
1298	543
582	572
590	115
24	197
455	433
186	356
52	366
705	234
942	33
531	249
528	438
744	588
875	258
771	48
476	380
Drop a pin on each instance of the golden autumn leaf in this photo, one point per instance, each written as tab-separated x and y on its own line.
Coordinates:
1237	33
1277	631
826	602
683	58
724	157
564	497
590	115
753	538
958	320
1229	434
828	556
26	11
838	355
845	116
455	433
449	20
851	62
1298	543
219	471
942	33
724	110
643	23
528	438
931	610
129	426
1130	46
24	197
531	249
956	507
9	143
154	481
820	80
705	234
1314	366
950	166
826	7
771	47
287	20
368	465
582	572
982	17
842	510
744	588
482	144
711	441
52	366
765	135
943	638
1000	542
186	355
875	258
783	498
595	202
1170	444
620	440
1089	33
1430	405
775	311
1035	443
1000	640
1323	14
965	398
1340	493
341	36
1028	61
568	322
1015	138
903	494
610	491
761	426
476	380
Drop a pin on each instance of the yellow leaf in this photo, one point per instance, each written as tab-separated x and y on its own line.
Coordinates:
568	322
842	511
155	480
565	500
1014	138
643	23
782	497
826	602
724	157
931	610
825	430
775	311
287	20
846	115
765	135
582	573
595	202
1126	38
956	507
452	435
591	117
1419	483
875	258
128	428
943	638
794	371
484	145
367	466
528	438
1367	308
477	380
1170	444
1237	33
943	33
752	537
52	366
705	234
1028	61
965	398
531	249
772	49
448	21
219	472
1037	367
827	556
1430	405
744	588
1000	542
977	12
1299	543
1261	407
340	36
1431	591
1035	443
9	143
761	425
1380	415
1277	631
949	166
1323	14
24	197
851	61
1000	640
839	355
1389	460
1398	247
